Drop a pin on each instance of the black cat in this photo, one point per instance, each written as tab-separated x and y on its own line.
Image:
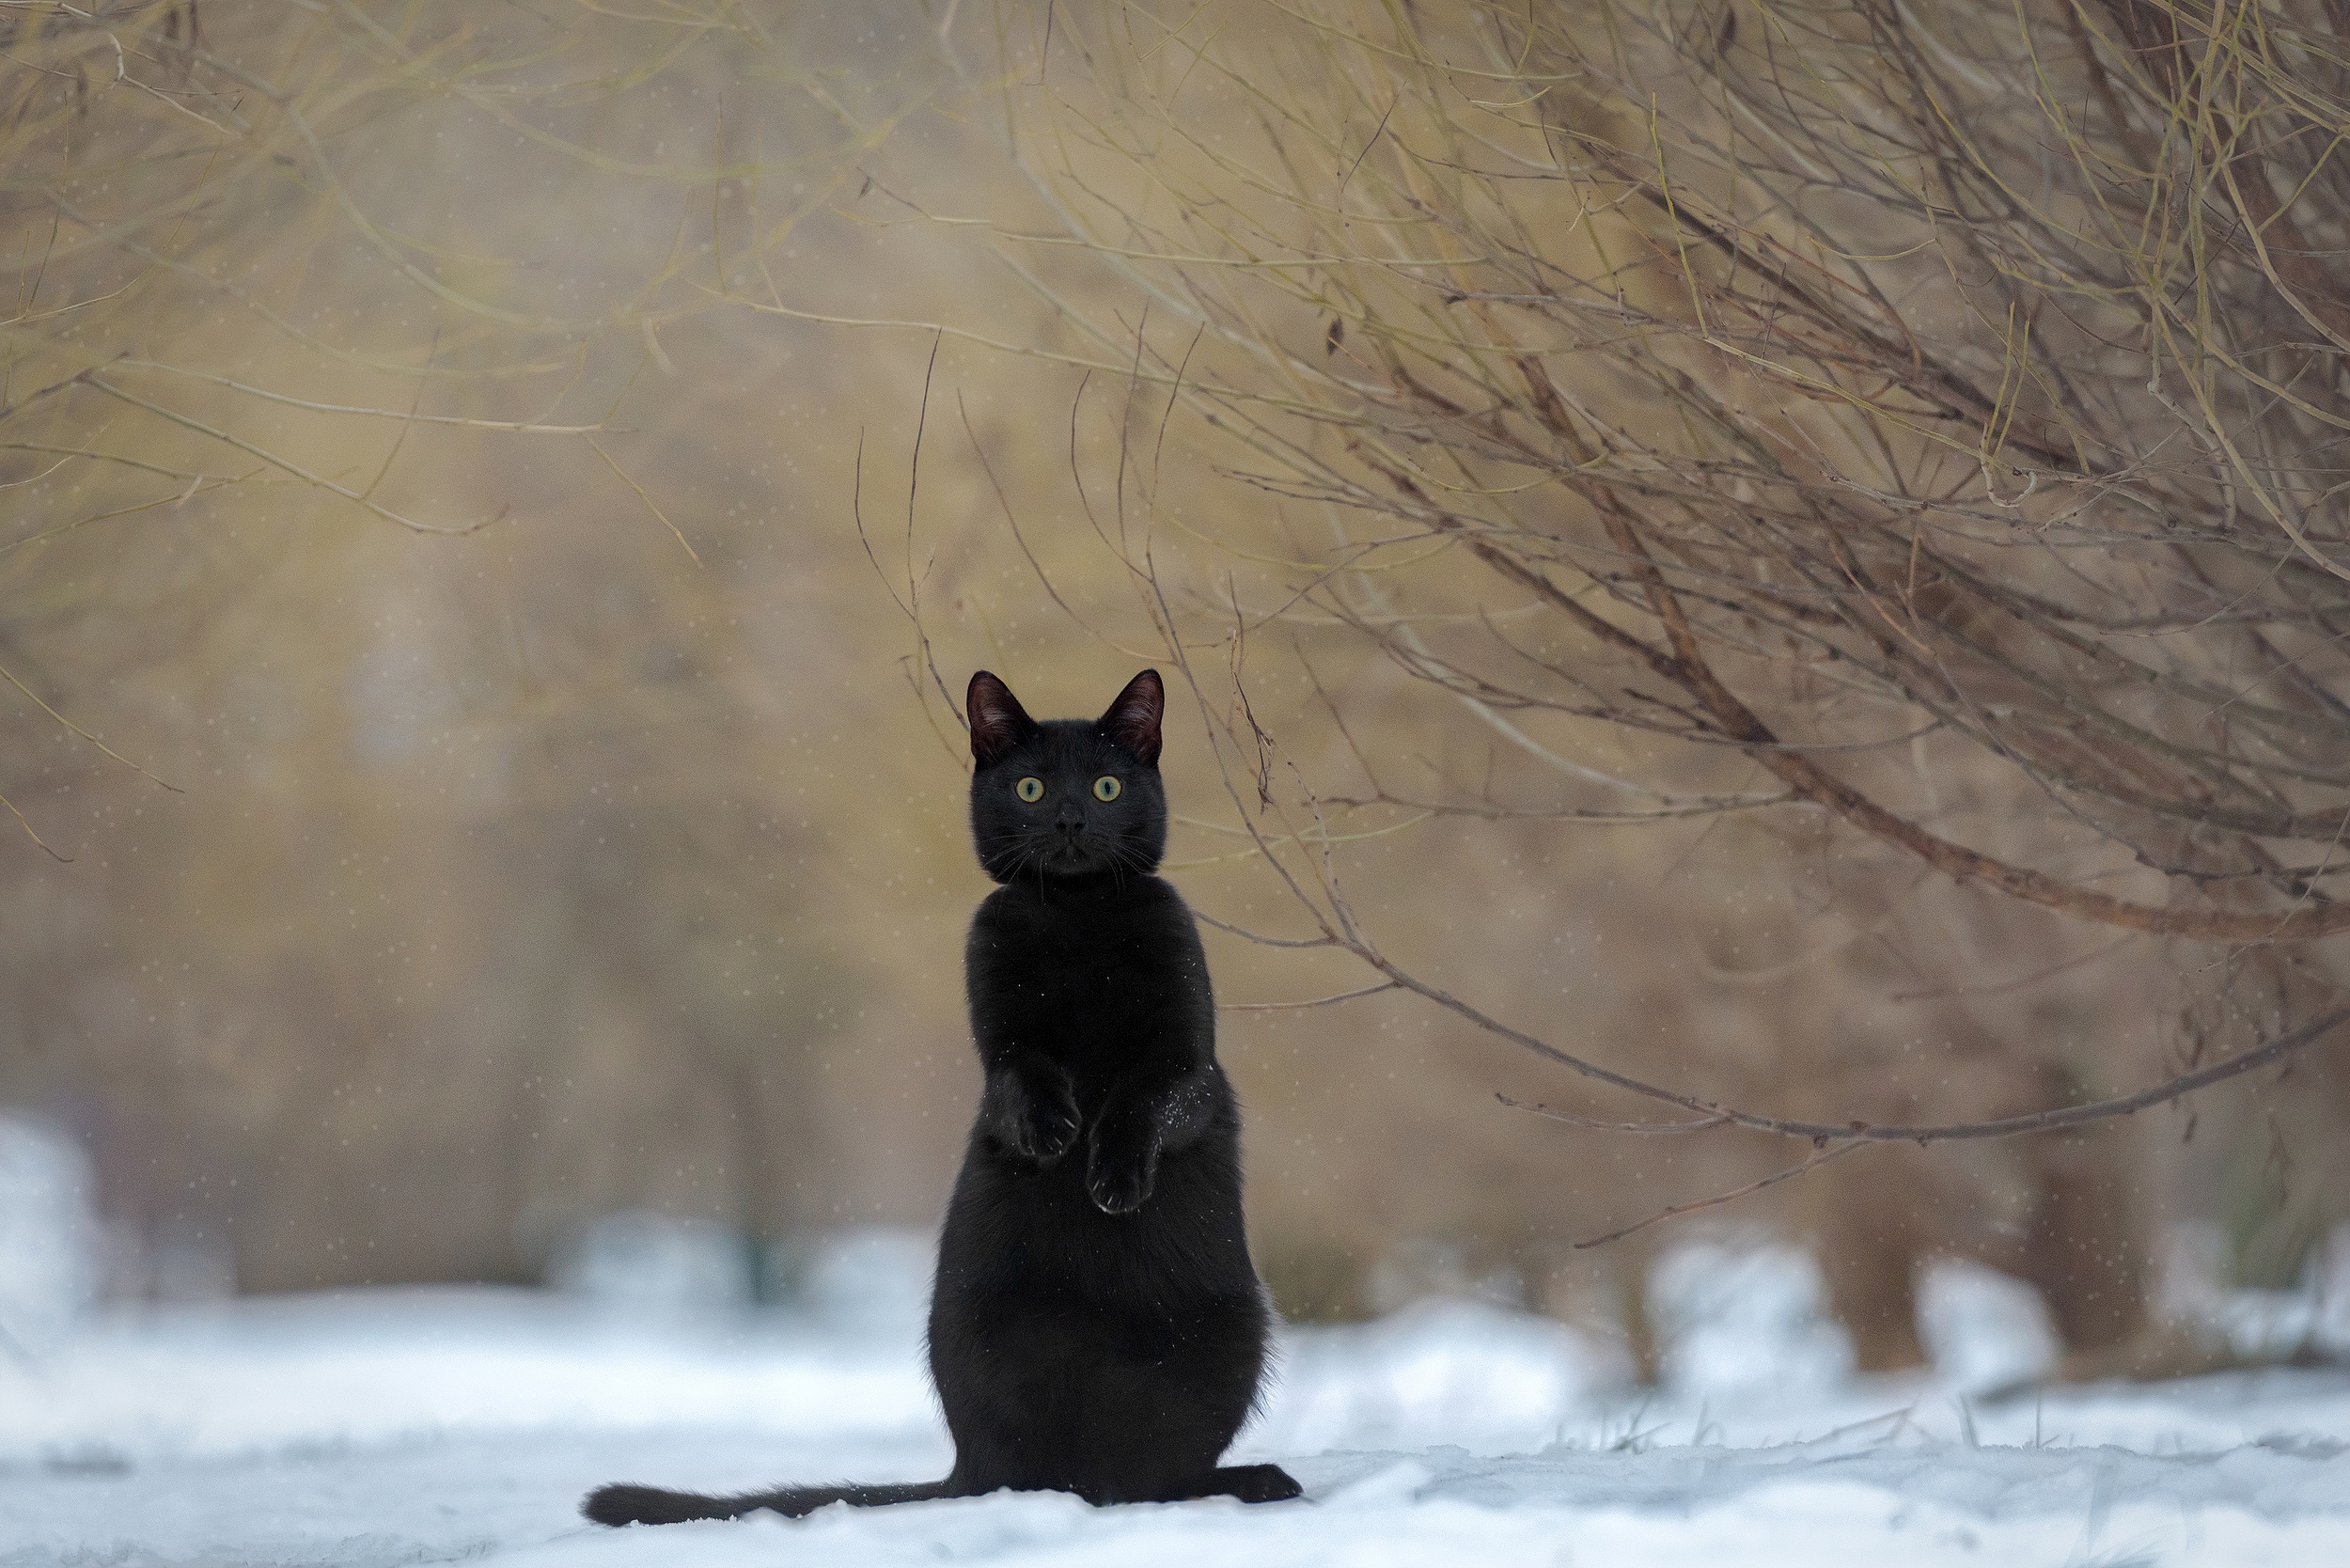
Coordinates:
1096	1325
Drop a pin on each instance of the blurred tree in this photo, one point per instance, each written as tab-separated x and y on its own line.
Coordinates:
431	890
1914	431
592	857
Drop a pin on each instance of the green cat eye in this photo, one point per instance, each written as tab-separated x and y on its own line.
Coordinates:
1106	788
1029	790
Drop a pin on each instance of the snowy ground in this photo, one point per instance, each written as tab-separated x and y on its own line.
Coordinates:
406	1427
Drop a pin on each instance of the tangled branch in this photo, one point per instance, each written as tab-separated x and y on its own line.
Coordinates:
1859	394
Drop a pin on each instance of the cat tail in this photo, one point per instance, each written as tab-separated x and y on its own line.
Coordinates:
624	1503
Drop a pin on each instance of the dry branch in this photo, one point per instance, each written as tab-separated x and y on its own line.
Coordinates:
1824	370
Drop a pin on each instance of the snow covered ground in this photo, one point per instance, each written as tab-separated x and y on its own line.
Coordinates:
399	1427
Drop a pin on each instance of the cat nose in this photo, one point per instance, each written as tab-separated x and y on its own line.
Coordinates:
1069	818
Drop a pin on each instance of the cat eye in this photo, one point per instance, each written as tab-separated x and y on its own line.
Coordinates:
1030	789
1106	788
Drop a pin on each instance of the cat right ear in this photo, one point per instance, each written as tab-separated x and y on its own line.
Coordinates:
998	722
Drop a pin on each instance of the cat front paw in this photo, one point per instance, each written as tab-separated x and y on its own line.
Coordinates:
1048	1131
1119	1176
1029	1116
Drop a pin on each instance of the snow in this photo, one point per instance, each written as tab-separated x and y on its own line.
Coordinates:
48	1234
395	1427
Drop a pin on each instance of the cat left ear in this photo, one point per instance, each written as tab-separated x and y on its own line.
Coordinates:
1133	719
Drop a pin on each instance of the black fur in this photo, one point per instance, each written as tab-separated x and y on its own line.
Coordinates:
1096	1325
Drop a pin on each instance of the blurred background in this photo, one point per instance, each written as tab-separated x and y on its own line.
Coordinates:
490	538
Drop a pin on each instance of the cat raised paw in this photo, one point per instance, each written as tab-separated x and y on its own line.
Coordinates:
1048	1131
1120	1175
1030	1115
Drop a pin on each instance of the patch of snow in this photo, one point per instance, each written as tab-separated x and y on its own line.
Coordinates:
370	1429
874	1276
1982	1328
2311	1320
1463	1373
49	1236
1735	1315
643	1262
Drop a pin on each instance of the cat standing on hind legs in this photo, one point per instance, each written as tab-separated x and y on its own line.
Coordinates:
1096	1325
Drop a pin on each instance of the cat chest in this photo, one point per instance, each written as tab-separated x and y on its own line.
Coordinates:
1089	980
1065	995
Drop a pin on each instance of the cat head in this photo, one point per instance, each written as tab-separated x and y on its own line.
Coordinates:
1066	798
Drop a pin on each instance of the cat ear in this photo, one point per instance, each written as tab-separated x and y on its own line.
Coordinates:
1133	719
998	722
